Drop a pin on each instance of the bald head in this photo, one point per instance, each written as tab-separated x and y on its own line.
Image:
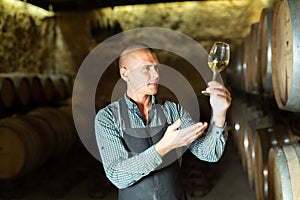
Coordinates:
131	52
138	65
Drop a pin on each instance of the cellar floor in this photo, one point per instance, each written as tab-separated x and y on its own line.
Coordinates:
78	176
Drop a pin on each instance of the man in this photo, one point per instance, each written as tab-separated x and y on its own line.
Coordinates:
139	140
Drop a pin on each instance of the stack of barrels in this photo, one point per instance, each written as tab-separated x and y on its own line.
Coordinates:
28	141
255	134
31	138
266	70
19	91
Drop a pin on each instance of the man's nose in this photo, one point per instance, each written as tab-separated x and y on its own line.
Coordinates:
154	73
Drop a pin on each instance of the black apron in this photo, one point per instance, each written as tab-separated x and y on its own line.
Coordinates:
162	184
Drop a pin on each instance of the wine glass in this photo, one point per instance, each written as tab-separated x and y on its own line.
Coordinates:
218	59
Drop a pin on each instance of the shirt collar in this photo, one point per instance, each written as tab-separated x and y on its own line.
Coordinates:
132	104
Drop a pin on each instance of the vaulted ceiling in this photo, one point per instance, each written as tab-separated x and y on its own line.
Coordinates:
67	5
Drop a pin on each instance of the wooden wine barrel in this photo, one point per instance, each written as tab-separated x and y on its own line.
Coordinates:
239	120
22	86
20	94
236	120
67	111
67	82
245	119
60	123
246	64
264	53
20	147
252	59
46	136
7	92
48	88
60	87
246	139
257	120
264	140
237	69
37	93
284	172
295	123
286	54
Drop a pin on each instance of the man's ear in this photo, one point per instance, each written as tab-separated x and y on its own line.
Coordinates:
124	73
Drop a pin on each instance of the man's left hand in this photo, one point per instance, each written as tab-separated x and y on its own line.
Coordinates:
220	100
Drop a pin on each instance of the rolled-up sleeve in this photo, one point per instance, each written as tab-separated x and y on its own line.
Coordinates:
210	146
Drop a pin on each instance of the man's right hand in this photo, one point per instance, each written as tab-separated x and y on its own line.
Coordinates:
174	138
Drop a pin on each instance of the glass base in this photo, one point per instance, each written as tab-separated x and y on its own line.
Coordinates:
204	92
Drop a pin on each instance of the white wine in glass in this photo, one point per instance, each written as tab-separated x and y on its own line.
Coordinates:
218	59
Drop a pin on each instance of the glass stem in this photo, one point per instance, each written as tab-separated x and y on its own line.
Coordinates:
214	76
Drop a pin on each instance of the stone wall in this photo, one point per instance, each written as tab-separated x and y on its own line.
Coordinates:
39	41
27	38
76	37
206	21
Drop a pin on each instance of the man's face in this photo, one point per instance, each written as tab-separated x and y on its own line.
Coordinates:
141	70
